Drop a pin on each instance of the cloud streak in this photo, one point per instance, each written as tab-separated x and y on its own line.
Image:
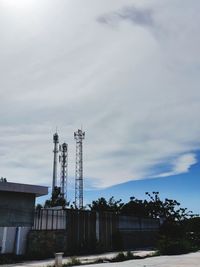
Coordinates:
137	16
135	91
181	165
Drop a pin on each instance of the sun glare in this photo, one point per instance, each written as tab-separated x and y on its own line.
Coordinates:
19	4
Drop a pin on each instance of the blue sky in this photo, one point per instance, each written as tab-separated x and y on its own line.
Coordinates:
126	70
183	187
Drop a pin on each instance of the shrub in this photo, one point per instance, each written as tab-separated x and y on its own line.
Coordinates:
73	262
129	255
169	246
119	257
10	258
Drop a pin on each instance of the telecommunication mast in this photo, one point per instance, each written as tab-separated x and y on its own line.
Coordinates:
79	136
64	172
55	160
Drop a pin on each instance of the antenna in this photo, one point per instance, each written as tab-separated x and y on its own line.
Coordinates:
79	136
55	160
64	172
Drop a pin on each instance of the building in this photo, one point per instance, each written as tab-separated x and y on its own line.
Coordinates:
17	202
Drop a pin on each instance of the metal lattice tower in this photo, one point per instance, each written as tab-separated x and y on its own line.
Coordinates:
64	169
55	160
79	136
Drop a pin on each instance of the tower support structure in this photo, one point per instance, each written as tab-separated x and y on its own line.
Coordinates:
79	136
64	169
55	160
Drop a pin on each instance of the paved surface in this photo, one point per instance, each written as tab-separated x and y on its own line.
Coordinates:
83	259
187	260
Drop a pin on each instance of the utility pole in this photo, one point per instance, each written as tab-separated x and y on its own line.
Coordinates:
79	136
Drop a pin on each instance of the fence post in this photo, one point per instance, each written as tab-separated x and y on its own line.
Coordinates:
58	259
97	226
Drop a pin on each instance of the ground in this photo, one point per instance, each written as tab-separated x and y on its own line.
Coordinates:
187	260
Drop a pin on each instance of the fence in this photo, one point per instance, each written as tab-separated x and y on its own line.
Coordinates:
50	219
84	231
84	228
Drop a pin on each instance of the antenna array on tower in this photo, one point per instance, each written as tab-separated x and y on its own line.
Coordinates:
64	165
79	136
63	159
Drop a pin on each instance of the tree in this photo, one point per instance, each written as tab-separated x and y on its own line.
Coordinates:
56	199
135	207
153	207
38	207
168	209
103	205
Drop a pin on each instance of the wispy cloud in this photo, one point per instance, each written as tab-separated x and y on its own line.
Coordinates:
180	165
136	96
139	16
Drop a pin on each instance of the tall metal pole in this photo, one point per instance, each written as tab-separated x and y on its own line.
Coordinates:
79	136
55	160
64	172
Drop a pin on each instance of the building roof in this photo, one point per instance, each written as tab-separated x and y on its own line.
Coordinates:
37	190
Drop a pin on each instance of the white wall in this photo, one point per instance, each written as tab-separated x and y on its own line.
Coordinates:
13	239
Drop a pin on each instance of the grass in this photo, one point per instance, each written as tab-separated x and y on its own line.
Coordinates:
121	256
72	262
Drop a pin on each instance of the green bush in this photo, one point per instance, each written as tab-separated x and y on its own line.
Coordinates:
194	238
119	257
10	258
167	246
129	255
99	261
6	259
73	262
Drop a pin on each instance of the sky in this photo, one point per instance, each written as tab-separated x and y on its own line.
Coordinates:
126	71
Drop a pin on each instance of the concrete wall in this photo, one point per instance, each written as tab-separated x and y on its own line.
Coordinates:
16	209
1	238
13	240
138	239
135	223
138	232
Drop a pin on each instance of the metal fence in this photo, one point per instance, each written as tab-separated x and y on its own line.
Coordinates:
84	228
50	219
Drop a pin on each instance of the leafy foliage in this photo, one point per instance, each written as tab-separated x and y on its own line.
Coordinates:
152	207
73	262
103	205
119	257
179	231
169	246
56	199
38	207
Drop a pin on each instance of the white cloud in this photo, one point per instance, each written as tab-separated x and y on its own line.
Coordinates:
181	165
133	86
184	163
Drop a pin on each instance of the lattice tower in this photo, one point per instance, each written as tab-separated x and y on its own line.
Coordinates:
79	136
64	169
